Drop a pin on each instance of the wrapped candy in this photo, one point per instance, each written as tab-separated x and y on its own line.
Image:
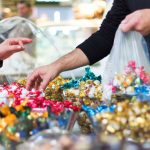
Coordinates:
89	86
19	123
143	93
92	113
86	116
86	90
133	82
75	83
129	121
53	90
15	95
85	123
30	112
91	89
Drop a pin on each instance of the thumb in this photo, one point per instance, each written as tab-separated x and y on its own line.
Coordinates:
15	48
129	25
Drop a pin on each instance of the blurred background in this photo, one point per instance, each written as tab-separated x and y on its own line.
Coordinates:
56	27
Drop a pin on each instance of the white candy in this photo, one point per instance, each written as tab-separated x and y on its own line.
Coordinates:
130	90
12	88
116	82
97	82
91	92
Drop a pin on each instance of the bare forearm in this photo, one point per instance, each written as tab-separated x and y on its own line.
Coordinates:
71	60
40	78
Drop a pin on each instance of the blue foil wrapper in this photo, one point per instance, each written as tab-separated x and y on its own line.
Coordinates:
142	93
89	75
100	109
142	90
92	112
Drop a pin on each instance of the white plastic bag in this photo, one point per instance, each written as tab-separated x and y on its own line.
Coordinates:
127	47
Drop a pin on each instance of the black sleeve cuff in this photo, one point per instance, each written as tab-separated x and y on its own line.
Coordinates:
87	47
1	63
98	45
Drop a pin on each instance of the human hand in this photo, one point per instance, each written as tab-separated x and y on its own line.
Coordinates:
11	46
137	21
41	76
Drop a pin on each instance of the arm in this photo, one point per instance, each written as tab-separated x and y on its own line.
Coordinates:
89	52
72	60
42	75
100	43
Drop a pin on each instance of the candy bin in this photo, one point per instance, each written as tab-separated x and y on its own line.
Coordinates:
19	123
126	120
25	113
86	90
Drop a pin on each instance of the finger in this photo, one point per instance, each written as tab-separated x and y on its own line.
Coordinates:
37	83
44	84
129	25
21	44
15	41
15	48
31	80
25	40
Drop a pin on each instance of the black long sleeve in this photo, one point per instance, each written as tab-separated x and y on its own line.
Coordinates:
100	43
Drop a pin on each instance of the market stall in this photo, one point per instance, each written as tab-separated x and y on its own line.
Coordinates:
102	107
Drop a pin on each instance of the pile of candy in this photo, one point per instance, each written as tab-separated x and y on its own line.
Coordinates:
24	113
85	123
15	95
86	90
89	86
53	90
134	81
90	112
129	120
20	122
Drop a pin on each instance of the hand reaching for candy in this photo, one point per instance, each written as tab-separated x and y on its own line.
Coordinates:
11	46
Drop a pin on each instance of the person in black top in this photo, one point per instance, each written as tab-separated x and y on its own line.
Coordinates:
11	46
131	14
